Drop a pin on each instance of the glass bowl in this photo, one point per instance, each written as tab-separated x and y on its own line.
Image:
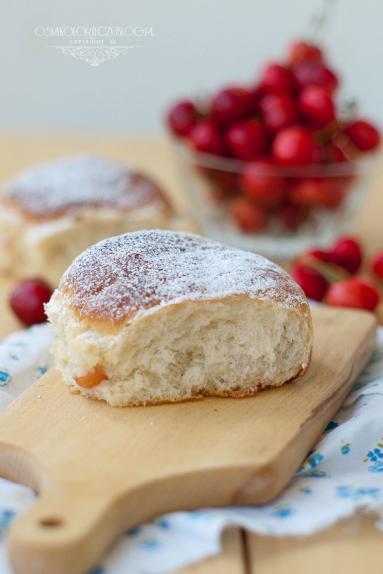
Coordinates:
331	197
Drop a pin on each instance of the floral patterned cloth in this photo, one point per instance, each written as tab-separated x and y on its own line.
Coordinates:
343	474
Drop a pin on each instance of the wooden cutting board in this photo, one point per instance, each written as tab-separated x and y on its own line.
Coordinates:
101	470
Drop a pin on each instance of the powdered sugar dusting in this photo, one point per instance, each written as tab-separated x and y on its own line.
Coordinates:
66	184
138	272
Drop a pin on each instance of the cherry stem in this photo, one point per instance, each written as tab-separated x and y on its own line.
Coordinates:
320	19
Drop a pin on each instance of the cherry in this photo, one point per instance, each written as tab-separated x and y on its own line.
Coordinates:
292	216
315	74
293	146
256	94
278	111
347	253
276	79
336	190
353	292
313	283
304	52
377	265
261	184
248	216
316	191
27	301
246	139
363	134
320	254
307	192
316	104
205	137
181	117
231	104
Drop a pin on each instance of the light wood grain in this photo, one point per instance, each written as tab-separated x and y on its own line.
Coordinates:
350	546
101	470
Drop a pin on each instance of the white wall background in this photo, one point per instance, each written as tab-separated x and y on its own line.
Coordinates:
197	45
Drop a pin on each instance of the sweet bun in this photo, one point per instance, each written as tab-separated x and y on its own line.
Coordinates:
160	316
51	213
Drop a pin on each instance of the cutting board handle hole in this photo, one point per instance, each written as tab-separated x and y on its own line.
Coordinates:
51	522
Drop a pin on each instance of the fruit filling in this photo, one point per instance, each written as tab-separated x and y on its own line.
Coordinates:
93	378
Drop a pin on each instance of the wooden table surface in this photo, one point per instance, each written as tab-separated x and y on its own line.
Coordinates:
352	546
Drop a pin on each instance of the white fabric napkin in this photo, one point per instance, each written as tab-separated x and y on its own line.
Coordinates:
343	474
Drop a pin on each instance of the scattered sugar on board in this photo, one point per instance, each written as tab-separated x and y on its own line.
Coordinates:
81	180
139	272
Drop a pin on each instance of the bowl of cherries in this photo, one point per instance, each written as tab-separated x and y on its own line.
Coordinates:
276	166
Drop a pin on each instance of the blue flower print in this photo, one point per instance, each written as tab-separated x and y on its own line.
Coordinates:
345	448
358	493
374	455
314	460
97	570
376	467
283	512
313	473
310	465
163	523
5	378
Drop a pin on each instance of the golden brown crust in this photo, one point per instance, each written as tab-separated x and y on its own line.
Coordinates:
139	273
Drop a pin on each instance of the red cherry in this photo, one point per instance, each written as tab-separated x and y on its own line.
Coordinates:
205	137
256	94
246	139
182	117
347	253
27	301
278	111
316	105
315	74
276	79
292	216
318	153
313	283
304	52
377	265
260	183
353	292
363	134
337	188
231	104
316	191
294	146
307	192
248	216
320	254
